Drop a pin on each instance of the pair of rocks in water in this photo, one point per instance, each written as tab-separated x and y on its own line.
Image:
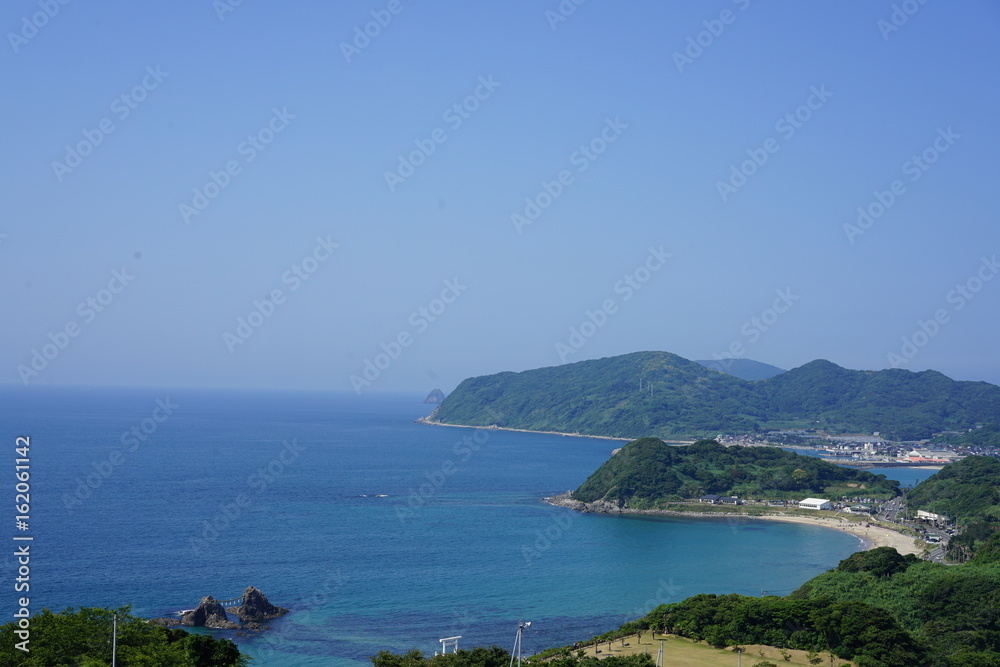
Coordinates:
211	614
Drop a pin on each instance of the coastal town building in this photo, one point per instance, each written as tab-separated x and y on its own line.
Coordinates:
713	499
815	504
932	456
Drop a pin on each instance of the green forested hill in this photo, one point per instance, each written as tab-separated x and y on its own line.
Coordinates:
894	401
647	473
667	396
603	397
986	436
966	490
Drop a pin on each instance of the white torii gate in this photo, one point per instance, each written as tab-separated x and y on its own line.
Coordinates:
449	641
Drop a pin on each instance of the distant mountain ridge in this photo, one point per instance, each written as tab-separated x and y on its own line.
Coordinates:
747	369
664	395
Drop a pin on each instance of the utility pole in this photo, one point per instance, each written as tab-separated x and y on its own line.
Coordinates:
114	641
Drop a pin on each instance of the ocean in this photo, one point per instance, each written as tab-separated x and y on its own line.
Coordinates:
375	531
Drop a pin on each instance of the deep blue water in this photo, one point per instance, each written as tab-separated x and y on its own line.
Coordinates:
208	504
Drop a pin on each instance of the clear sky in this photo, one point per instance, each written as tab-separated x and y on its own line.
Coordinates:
688	173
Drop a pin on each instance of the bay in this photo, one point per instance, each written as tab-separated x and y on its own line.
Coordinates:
376	531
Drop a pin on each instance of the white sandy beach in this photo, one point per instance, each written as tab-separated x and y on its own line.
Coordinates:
872	536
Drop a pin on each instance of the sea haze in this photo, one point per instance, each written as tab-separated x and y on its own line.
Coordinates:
281	491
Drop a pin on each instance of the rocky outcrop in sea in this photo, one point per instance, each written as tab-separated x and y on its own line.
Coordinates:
209	614
436	396
256	608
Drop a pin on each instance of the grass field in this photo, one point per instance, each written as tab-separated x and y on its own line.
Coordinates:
682	652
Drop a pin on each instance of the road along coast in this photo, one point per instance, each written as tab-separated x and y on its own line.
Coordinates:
871	535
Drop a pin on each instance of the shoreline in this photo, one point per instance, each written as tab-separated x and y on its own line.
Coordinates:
871	536
428	421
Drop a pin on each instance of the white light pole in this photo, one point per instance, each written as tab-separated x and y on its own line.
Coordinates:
114	641
521	625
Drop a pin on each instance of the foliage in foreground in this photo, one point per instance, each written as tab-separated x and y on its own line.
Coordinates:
876	607
953	610
494	656
82	638
851	630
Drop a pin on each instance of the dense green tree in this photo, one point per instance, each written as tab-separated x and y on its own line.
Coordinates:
881	562
82	637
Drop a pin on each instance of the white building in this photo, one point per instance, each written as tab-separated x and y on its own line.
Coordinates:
815	504
932	456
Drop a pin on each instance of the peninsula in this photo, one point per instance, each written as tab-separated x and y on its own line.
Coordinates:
664	395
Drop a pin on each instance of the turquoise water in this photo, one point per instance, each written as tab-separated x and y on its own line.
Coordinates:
212	501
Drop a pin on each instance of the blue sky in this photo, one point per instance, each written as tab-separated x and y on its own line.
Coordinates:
652	176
